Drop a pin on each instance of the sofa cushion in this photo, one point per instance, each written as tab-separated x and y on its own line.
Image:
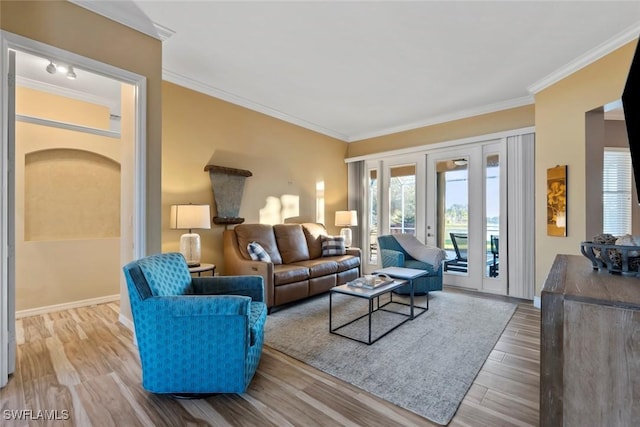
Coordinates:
257	252
333	245
319	267
345	262
292	244
313	232
289	273
260	233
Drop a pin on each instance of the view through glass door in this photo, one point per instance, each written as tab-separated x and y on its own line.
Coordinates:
405	203
465	215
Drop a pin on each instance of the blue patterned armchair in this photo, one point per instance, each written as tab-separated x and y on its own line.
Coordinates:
196	335
393	255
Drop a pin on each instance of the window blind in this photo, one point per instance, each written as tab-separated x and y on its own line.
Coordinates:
616	191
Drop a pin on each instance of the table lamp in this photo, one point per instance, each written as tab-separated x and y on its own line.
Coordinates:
188	217
346	219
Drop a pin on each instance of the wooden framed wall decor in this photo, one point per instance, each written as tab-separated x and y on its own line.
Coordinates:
557	201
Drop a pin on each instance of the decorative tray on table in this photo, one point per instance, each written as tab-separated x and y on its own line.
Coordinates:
370	282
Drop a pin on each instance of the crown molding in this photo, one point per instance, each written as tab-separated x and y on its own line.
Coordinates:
471	112
163	32
113	105
125	12
590	57
190	83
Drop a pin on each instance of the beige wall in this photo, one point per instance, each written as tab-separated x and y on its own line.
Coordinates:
67	204
560	139
286	160
484	124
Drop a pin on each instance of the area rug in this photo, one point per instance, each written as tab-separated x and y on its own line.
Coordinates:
426	365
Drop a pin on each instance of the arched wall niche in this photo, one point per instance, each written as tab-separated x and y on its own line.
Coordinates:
71	194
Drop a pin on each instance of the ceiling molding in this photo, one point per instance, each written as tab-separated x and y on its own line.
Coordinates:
190	83
590	57
471	112
124	12
114	106
163	32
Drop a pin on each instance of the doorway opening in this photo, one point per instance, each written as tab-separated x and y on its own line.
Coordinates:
68	184
132	165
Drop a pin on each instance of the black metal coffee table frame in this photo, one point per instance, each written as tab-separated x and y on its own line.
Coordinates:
371	295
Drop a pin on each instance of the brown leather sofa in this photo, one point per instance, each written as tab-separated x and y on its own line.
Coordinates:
297	269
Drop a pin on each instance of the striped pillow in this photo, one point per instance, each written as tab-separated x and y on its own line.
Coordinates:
257	252
333	245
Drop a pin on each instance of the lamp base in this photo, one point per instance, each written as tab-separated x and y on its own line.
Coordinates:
347	235
190	248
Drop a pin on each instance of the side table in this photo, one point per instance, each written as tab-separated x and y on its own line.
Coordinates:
202	268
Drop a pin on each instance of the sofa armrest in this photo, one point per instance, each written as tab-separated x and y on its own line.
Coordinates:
236	265
391	258
354	251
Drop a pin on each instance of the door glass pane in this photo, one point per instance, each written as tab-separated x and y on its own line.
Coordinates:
492	215
453	212
402	200
373	215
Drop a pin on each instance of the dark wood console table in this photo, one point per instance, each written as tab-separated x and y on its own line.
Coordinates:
590	346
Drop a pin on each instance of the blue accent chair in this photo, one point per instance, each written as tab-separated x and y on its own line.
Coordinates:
196	335
393	255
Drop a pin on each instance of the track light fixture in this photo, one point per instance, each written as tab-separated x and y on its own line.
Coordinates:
51	68
62	69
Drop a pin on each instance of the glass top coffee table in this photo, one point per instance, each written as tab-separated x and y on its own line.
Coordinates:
373	297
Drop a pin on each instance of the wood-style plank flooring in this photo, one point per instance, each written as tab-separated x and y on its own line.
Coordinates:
83	361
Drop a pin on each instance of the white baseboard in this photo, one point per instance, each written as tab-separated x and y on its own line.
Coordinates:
126	322
536	302
66	306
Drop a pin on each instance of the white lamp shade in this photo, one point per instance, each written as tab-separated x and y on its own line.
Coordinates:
188	217
346	218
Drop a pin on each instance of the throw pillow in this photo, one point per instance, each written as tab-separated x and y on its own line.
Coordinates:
257	252
333	245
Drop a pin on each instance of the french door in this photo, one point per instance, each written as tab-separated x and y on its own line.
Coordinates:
466	214
395	202
452	198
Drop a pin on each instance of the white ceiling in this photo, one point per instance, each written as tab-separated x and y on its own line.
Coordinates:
353	70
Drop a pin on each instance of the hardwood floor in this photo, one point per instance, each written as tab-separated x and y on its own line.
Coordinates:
80	367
